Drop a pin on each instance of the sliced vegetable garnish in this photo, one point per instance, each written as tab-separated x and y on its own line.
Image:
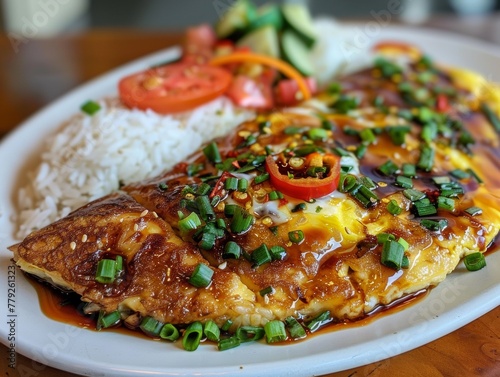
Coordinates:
211	331
90	107
151	326
250	333
192	336
295	328
174	87
106	271
275	331
228	343
318	321
298	184
475	261
201	276
108	320
392	254
283	67
169	332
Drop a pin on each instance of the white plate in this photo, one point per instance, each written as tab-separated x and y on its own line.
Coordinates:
462	298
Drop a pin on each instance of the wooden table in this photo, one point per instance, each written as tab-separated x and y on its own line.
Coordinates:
42	70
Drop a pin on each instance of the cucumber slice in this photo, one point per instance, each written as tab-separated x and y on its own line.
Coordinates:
236	20
268	14
298	18
263	41
296	52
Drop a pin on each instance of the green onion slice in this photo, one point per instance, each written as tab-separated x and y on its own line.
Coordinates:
392	254
201	276
228	343
169	332
90	107
190	222
211	152
275	331
250	333
295	328
320	320
211	331
106	271
296	236
108	320
151	326
192	336
475	261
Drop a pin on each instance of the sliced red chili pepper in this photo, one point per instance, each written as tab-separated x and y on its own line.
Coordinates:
219	185
304	187
442	103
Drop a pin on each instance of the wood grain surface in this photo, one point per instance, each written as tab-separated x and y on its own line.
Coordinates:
34	73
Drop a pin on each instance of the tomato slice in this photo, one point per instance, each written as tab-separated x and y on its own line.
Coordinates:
174	88
247	92
287	90
301	186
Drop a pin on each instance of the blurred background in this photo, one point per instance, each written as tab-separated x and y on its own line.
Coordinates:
44	18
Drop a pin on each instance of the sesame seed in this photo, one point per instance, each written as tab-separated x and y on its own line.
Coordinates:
72	245
84	238
136	227
144	213
222	266
155	214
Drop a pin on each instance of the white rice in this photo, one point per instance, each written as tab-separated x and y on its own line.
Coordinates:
91	155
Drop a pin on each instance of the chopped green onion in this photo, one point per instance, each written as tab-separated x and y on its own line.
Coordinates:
445	203
346	182
424	208
475	261
404	182
299	207
231	183
275	331
266	291
207	241
201	276
261	255
387	68
345	103
228	343
426	160
277	252
361	151
261	178
392	254
367	136
275	195
293	130
429	132
211	152
491	116
227	325
334	88
394	208
315	171
242	221
231	250
388	168
384	237
459	174
163	186
318	134
295	328
206	211
203	189
190	222
169	332
476	177
242	185
441	180
434	225
211	331
193	169
367	182
118	265
341	152
403	243
220	223
106	271
350	131
320	320
406	262
90	107
250	333
108	320
474	211
398	134
230	209
413	195
409	170
296	236
192	336
151	326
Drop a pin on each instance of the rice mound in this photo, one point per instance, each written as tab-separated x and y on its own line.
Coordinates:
91	155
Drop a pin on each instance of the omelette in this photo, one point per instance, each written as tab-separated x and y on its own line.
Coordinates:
372	191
